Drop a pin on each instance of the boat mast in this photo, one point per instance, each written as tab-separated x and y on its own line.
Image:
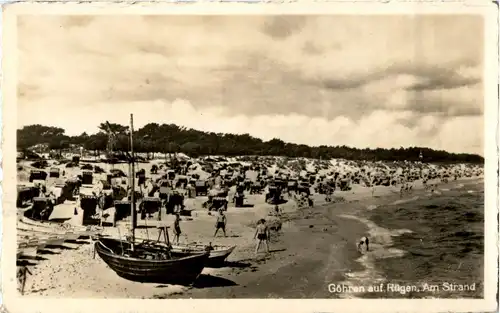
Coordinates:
132	180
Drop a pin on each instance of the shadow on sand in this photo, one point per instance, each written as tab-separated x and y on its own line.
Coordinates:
60	247
78	242
25	263
32	258
234	264
276	250
209	281
60	220
47	251
247	205
276	202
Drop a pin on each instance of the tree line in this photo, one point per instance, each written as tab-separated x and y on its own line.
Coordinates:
170	138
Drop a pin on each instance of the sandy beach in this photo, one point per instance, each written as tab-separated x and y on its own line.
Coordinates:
315	247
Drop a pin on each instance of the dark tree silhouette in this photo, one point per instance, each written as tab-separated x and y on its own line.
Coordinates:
170	138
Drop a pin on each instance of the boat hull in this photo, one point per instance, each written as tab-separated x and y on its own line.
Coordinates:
183	270
27	252
216	258
45	232
73	232
47	238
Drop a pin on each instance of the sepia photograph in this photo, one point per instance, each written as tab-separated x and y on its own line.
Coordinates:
257	156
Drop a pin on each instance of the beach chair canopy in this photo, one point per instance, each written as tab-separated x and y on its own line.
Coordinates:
121	202
117	173
201	183
40	199
91	196
219	199
151	199
164	183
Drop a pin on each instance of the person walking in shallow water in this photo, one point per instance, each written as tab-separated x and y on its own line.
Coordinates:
363	244
262	234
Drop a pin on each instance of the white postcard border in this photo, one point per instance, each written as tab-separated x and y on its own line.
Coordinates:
15	303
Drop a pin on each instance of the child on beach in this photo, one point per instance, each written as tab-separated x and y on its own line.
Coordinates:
220	223
177	227
262	234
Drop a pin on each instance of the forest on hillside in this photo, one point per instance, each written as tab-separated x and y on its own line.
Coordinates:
165	138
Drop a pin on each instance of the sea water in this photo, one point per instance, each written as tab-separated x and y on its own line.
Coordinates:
432	247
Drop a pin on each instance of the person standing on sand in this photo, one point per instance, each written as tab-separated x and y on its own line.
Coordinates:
262	234
177	228
22	272
277	210
220	223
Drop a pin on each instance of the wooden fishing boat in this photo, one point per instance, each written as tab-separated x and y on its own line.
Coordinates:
150	264
217	253
29	246
217	257
67	235
82	231
31	241
146	262
26	250
48	239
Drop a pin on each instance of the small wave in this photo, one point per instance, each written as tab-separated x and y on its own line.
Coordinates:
399	232
371	207
405	200
470	191
386	253
360	278
378	235
445	189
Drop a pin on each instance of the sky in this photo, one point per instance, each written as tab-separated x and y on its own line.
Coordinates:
360	81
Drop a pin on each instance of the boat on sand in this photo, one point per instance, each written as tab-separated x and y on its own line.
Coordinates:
147	262
81	231
218	253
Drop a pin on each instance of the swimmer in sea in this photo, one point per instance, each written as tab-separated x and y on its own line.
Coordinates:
363	242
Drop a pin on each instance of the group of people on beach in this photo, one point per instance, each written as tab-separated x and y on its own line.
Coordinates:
219	224
262	233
